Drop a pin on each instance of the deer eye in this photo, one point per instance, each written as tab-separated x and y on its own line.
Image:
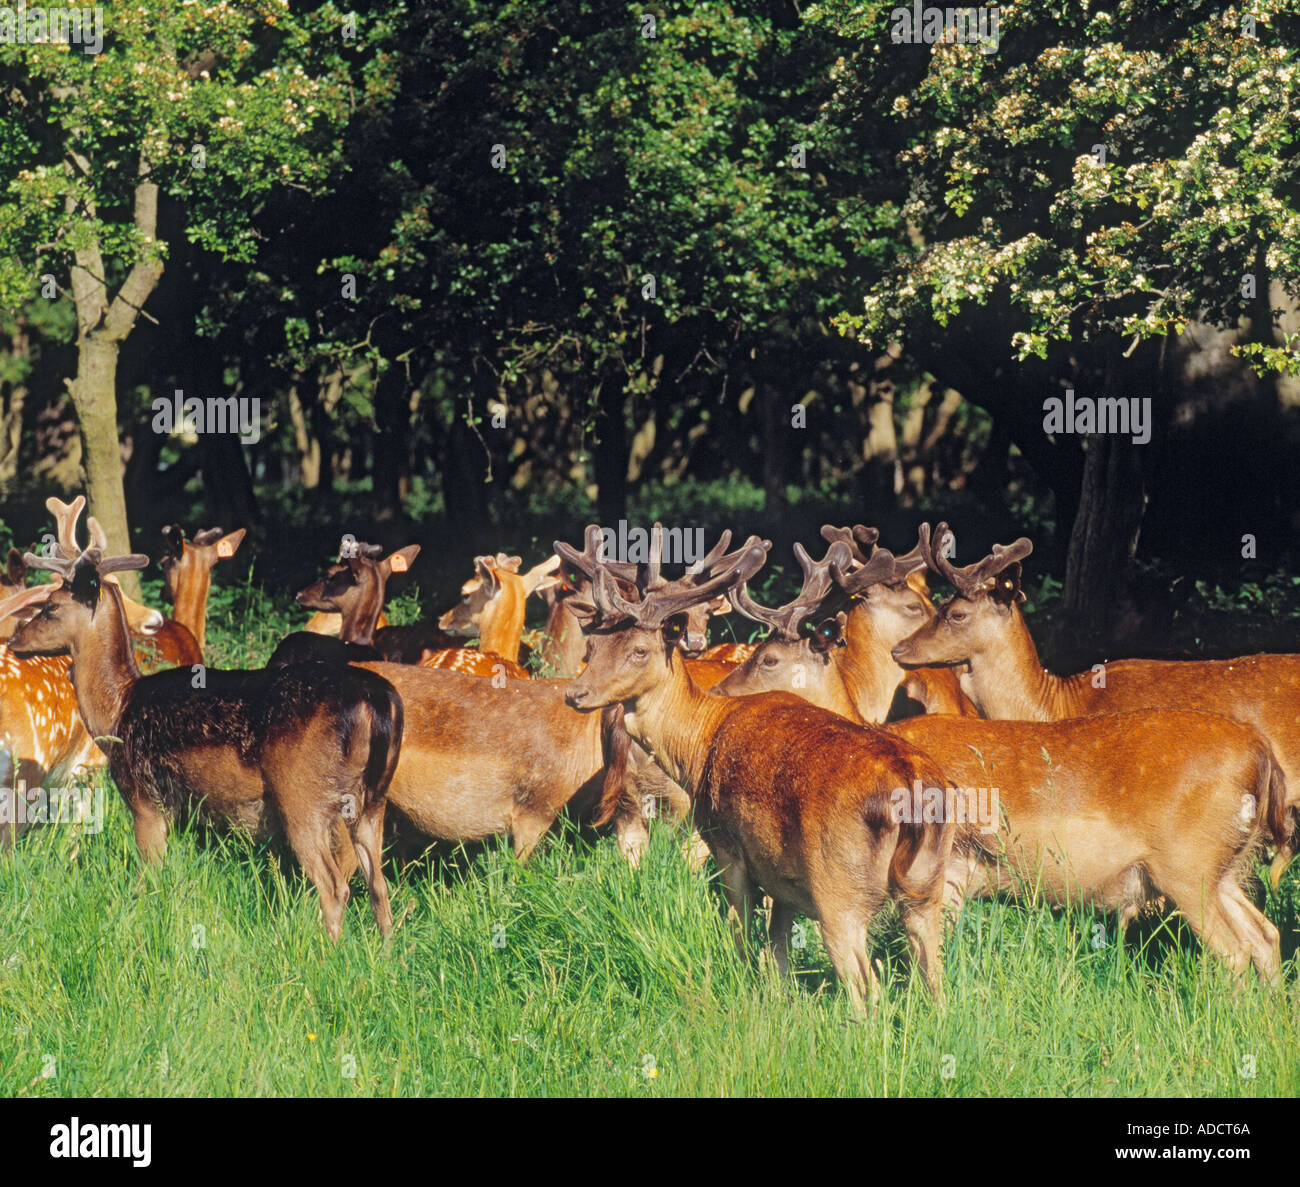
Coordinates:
639	652
957	616
912	608
769	661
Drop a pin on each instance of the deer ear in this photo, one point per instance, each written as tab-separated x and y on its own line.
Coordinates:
917	583
230	542
720	605
15	570
1006	586
674	628
829	633
486	568
538	577
400	561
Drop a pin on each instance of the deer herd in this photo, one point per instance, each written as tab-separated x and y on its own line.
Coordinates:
1138	785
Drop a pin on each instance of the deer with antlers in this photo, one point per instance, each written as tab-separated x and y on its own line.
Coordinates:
790	798
1104	811
844	663
308	749
981	625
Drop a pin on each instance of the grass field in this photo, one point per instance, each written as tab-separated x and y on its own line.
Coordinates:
572	975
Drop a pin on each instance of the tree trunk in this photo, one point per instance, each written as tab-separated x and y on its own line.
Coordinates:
611	449
777	433
1104	537
94	396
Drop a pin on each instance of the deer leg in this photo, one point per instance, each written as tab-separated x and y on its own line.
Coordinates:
740	892
845	937
310	840
527	829
345	856
150	830
368	845
1203	908
923	923
633	836
695	851
1252	926
779	929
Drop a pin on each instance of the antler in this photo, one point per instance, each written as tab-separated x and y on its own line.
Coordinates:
861	540
66	516
661	599
971	579
785	620
104	565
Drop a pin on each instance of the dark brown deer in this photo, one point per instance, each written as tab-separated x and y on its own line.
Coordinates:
790	798
354	588
981	625
306	748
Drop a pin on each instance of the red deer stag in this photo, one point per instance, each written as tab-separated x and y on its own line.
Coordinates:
981	625
308	748
790	798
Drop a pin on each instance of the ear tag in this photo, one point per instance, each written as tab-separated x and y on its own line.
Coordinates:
399	563
224	549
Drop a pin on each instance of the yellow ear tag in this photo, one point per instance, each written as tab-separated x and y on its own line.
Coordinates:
399	563
224	549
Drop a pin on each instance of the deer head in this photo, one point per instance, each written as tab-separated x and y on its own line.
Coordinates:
632	645
354	587
979	616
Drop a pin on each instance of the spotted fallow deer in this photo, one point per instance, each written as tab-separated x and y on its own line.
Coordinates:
981	625
791	799
306	748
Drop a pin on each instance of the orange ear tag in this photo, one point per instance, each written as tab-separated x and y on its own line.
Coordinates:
399	563
224	549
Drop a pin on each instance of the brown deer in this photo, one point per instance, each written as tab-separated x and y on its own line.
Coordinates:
1117	811
492	606
981	625
354	588
790	798
306	748
187	575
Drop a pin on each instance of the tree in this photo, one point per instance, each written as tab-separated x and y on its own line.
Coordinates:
1062	227
207	106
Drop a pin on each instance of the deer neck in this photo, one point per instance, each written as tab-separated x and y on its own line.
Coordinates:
361	614
870	674
103	665
1008	681
675	723
190	604
502	624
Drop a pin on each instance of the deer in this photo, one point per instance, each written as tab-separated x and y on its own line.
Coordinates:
1122	812
981	625
187	575
846	662
774	798
40	728
353	588
492	606
305	748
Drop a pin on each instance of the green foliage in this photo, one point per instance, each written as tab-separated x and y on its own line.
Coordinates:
1014	210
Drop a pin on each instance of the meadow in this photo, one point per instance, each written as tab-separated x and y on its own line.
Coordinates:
572	975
